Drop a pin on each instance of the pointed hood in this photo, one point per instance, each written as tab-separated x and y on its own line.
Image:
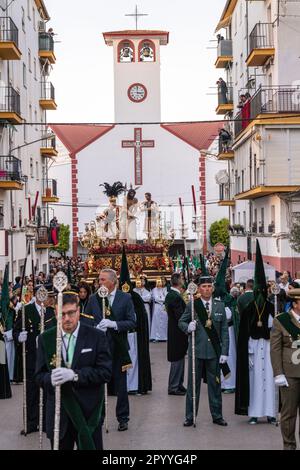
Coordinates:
220	281
260	284
124	273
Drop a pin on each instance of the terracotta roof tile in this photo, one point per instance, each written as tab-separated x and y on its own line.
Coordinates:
198	135
76	137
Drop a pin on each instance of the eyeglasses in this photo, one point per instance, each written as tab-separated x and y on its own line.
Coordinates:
71	313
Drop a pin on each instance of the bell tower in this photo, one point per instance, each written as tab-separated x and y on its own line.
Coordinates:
137	73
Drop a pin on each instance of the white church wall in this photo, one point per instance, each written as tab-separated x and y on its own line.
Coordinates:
169	171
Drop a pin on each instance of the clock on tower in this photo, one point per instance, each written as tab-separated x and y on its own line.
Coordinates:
137	74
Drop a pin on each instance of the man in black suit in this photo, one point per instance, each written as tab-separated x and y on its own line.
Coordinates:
86	367
177	340
120	310
29	336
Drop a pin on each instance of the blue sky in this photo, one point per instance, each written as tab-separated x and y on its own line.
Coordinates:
83	74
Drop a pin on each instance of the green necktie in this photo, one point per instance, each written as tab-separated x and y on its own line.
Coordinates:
70	349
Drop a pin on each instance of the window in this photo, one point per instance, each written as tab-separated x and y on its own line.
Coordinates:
146	51
25	131
35	68
12	216
241	64
23	19
233	218
239	218
29	61
36	120
126	52
241	12
20	217
243	182
29	9
262	220
244	219
24	75
1	215
33	18
31	167
37	173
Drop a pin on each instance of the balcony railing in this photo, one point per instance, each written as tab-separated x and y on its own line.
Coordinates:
46	42
224	53
10	169
9	100
8	31
47	91
42	236
268	100
261	37
226	192
49	143
225	97
50	188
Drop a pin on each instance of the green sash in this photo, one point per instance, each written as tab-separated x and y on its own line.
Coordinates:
85	428
286	322
120	339
212	334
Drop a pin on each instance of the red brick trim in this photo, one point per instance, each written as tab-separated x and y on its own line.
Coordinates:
202	188
74	176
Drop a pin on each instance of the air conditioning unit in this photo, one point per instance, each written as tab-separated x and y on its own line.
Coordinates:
42	26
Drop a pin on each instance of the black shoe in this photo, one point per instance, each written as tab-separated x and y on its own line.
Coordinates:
123	427
271	420
188	423
30	430
220	422
178	392
182	389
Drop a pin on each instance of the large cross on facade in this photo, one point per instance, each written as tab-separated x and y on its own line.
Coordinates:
136	15
138	144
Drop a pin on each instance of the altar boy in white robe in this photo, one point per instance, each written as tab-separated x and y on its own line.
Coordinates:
255	387
159	326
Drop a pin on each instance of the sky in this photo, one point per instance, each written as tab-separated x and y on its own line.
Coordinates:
83	73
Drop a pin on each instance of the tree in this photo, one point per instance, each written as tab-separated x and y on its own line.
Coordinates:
219	232
294	237
63	239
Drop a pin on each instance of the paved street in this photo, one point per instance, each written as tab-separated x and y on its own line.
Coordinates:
156	421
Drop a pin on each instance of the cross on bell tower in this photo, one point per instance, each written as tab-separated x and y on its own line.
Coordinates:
136	15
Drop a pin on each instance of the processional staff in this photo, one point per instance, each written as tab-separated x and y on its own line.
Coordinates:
42	296
60	282
192	289
103	294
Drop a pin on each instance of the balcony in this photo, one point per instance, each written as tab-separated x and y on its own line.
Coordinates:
47	101
48	148
224	54
270	105
42	241
225	150
225	101
10	173
9	40
46	47
50	191
262	191
261	43
226	200
10	110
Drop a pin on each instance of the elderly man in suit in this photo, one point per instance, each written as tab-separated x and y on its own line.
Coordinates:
119	318
285	358
211	349
86	367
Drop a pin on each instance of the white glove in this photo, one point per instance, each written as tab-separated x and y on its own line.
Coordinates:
223	359
192	326
18	307
61	375
8	335
105	323
280	381
22	337
251	363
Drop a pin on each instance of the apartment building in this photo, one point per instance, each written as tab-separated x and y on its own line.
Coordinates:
26	95
258	58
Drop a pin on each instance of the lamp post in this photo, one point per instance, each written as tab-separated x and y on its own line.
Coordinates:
30	233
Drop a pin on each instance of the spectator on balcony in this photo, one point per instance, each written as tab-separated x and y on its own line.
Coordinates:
225	139
54	229
51	32
220	38
222	91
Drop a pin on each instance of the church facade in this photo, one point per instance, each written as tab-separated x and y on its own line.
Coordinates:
139	150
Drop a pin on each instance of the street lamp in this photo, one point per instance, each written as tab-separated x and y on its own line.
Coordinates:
30	234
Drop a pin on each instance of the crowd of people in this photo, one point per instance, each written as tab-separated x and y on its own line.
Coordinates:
233	340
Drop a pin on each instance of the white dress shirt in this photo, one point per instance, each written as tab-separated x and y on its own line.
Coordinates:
66	340
176	290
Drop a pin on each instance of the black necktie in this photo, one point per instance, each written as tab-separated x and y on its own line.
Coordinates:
207	306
